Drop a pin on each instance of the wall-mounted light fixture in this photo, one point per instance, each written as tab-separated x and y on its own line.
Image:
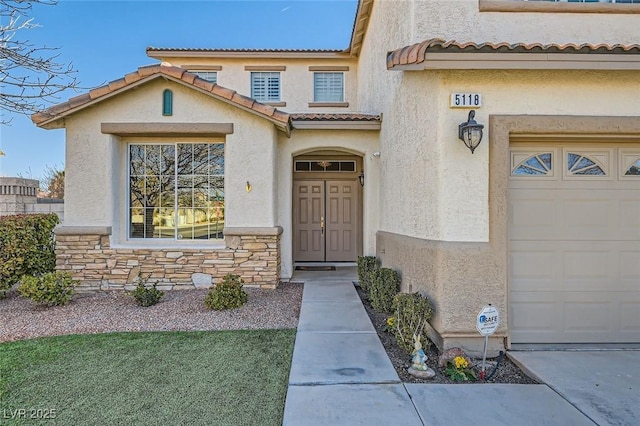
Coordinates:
248	187
470	132
361	178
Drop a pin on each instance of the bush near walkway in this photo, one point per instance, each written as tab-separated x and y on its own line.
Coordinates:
26	247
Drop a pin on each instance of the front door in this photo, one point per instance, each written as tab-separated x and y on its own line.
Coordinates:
325	220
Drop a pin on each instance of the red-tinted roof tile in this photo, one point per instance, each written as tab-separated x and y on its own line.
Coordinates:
415	53
306	116
179	74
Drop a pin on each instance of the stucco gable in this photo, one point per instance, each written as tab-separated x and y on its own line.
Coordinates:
50	118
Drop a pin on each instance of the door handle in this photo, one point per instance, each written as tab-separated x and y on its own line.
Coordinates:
322	226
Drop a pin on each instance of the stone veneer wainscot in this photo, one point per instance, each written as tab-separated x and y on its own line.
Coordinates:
252	253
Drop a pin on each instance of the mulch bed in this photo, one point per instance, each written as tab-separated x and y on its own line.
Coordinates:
507	371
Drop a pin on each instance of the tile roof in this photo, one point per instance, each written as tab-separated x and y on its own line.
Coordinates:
143	74
312	116
415	53
216	50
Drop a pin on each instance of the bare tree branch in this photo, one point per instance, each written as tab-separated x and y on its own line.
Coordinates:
30	76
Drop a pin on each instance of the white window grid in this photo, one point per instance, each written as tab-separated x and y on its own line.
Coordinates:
328	87
265	86
212	172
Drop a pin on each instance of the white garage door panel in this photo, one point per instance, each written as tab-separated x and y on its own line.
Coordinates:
574	254
555	317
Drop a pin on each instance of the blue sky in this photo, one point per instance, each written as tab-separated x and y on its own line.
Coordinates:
104	40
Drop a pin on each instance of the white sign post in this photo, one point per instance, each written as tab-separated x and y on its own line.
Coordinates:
487	324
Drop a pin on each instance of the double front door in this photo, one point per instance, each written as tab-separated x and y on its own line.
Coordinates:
325	220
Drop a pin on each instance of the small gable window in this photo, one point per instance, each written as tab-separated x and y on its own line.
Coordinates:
167	102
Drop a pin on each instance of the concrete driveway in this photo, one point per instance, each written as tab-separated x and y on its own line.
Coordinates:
603	384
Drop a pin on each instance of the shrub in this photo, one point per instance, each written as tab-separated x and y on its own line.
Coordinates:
26	247
412	311
145	295
227	294
384	287
367	268
52	288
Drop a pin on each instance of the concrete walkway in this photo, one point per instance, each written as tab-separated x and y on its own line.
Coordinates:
341	375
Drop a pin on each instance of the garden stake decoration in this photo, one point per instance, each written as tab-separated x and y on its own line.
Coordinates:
488	320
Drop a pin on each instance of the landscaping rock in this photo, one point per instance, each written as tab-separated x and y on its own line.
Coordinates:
201	280
426	374
450	354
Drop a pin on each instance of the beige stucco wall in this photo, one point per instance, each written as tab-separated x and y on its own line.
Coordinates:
361	143
95	162
296	81
437	229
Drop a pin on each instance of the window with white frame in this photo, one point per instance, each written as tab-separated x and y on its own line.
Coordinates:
176	191
265	86
211	76
328	87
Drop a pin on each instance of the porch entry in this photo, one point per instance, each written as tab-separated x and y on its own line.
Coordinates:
327	209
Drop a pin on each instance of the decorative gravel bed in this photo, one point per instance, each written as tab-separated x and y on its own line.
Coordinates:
179	310
507	371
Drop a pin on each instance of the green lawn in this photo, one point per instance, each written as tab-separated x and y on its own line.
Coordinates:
172	378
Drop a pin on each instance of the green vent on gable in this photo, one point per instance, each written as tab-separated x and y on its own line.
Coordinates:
167	102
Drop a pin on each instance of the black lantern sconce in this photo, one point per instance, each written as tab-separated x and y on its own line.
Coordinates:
470	132
361	178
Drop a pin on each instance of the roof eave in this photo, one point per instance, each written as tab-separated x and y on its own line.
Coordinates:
162	54
336	124
523	61
360	25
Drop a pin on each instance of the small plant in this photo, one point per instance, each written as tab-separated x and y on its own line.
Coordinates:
227	294
367	268
383	289
51	289
458	369
145	295
412	313
391	324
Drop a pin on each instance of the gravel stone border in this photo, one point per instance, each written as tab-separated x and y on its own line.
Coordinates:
116	311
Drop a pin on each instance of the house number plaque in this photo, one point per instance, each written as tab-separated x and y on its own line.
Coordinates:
466	100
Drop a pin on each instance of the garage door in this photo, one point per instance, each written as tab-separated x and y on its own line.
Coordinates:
574	243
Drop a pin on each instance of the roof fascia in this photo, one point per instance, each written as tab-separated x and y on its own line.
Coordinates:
535	61
556	7
335	125
170	53
360	25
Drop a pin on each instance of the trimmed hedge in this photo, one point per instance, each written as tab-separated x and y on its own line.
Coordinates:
26	247
383	289
412	312
367	268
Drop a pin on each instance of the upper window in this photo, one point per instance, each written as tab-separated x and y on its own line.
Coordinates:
328	87
176	191
211	76
265	86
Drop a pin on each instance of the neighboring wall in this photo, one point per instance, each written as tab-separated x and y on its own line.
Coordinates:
19	196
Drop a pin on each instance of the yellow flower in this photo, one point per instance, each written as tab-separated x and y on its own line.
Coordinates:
460	362
391	321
